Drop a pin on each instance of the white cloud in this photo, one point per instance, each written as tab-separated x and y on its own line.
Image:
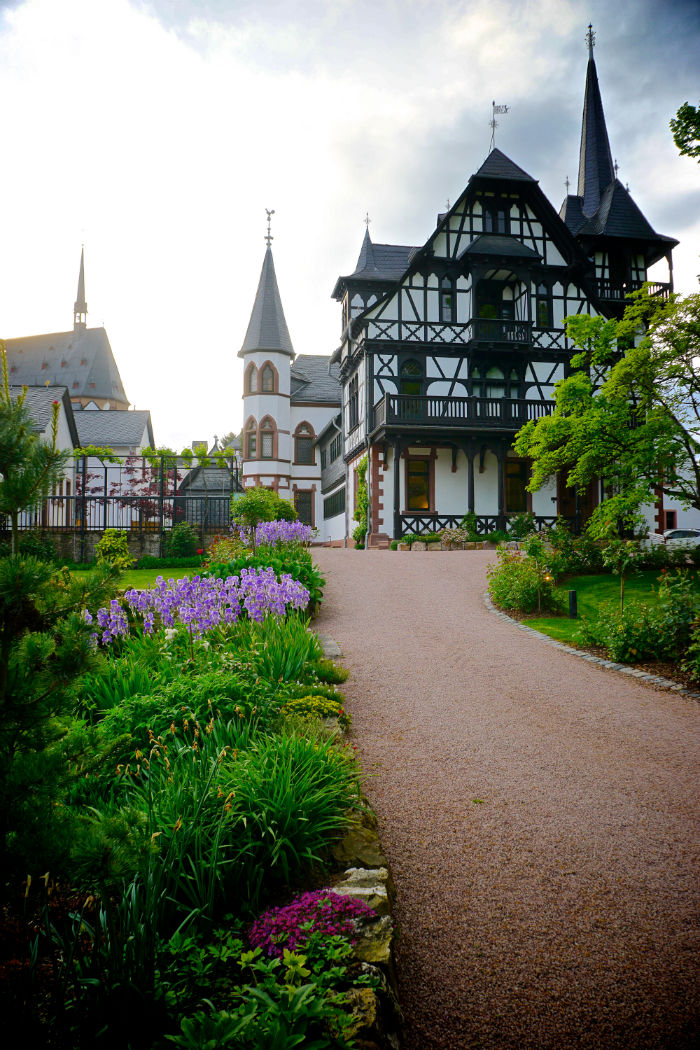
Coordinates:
158	133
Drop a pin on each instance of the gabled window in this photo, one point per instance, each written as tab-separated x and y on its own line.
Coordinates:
496	217
267	379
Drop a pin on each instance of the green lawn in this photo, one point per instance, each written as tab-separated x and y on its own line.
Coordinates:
144	578
592	591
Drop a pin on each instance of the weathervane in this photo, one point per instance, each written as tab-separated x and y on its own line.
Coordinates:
616	166
590	39
367	220
567	184
268	236
448	203
493	123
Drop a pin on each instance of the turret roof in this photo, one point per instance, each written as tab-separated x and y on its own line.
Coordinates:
595	166
267	328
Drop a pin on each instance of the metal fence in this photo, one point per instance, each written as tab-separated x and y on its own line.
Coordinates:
138	494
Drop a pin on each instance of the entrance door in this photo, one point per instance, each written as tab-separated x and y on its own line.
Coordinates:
566	500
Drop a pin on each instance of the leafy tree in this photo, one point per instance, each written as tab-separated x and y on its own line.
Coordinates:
29	468
686	130
628	414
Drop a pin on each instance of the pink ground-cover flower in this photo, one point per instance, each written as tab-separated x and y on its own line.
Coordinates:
319	911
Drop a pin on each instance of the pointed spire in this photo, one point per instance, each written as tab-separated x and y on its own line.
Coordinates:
80	306
267	328
595	168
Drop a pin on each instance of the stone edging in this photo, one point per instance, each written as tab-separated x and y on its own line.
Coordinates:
653	679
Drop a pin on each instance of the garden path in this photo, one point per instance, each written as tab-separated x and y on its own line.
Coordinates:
539	815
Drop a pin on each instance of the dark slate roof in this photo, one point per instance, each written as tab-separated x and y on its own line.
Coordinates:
572	213
498	166
114	429
595	166
39	400
57	358
312	381
619	216
378	262
498	244
331	429
212	480
267	328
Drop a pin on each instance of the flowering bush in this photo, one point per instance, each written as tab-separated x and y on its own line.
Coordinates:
273	533
320	911
203	603
113	549
520	583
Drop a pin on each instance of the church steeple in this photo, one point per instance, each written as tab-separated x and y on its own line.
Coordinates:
80	306
595	169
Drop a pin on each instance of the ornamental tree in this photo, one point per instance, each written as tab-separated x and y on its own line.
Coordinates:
629	413
686	130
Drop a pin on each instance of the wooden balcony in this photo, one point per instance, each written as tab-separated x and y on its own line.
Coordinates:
470	413
617	292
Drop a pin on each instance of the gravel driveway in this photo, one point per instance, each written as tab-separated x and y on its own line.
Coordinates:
539	814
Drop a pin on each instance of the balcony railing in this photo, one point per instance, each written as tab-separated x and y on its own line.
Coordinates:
472	412
617	291
477	330
425	524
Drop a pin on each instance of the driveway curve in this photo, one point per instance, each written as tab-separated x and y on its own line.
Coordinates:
539	814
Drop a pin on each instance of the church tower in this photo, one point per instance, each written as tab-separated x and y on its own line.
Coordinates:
606	222
267	354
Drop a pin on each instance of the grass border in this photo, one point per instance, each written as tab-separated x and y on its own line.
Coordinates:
642	676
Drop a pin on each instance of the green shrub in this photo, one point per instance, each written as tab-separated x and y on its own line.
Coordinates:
394	545
496	536
328	671
646	631
260	504
521	525
468	523
316	706
297	562
113	549
32	544
517	582
361	504
281	650
181	541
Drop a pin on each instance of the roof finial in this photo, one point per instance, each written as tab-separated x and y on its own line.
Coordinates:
616	167
268	236
590	40
367	220
567	184
493	123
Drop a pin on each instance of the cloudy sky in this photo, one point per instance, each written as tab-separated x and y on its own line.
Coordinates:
158	131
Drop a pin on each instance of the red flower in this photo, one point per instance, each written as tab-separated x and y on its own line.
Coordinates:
201	550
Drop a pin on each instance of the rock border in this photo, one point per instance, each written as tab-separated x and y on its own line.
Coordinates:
610	665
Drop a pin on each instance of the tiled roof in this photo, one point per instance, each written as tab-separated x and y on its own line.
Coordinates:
114	429
267	328
595	166
495	244
378	262
314	378
498	166
81	360
39	401
572	214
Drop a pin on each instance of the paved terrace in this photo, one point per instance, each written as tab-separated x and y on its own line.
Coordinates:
539	814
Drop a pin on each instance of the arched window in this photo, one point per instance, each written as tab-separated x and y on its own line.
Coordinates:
489	382
251	380
267	438
514	390
251	440
267	379
304	444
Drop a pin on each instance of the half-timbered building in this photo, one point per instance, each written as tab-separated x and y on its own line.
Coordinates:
448	348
